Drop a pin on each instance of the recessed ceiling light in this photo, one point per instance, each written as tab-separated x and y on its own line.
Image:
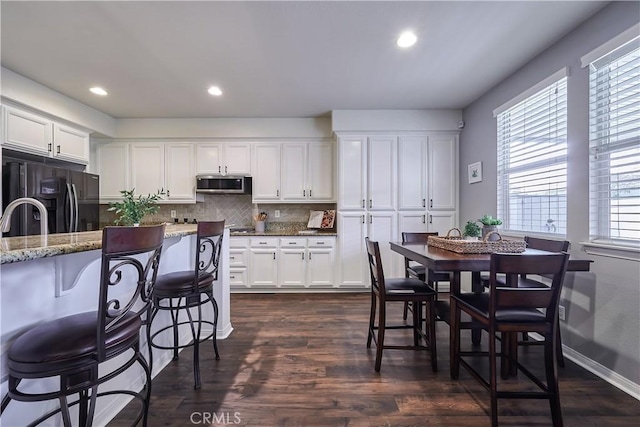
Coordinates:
215	91
407	39
98	91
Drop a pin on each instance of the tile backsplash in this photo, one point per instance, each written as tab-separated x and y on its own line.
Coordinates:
234	208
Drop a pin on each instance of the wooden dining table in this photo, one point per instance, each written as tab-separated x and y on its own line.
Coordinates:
442	260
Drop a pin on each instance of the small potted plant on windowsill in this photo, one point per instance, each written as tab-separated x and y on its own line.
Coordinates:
471	230
132	209
490	224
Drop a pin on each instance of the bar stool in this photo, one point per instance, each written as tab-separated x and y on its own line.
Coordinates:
73	347
405	289
183	290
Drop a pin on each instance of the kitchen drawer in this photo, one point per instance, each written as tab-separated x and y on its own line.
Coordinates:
239	242
238	278
321	242
238	257
264	242
292	242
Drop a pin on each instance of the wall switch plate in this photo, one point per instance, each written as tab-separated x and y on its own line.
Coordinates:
562	313
174	214
276	213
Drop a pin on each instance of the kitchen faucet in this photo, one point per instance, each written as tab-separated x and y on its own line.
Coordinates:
5	220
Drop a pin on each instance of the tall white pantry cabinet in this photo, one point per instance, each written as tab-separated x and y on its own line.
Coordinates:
389	184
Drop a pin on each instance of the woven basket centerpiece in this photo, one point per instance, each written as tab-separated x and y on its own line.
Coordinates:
459	245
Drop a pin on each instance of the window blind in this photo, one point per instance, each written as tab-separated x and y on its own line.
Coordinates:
532	162
614	143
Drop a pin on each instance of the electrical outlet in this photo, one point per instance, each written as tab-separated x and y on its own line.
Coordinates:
276	213
562	313
174	214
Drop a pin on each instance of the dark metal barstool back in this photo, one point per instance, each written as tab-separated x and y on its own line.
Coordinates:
191	289
72	347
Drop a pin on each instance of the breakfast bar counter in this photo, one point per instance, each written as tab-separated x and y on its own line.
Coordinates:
43	278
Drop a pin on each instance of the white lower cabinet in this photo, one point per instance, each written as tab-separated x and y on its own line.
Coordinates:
353	227
263	262
238	262
287	263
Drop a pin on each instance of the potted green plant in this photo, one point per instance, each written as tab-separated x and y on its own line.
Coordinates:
490	224
472	230
132	209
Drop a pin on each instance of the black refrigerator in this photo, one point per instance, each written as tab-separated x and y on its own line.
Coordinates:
71	198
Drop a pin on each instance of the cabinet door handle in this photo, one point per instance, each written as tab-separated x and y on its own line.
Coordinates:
302	255
309	193
219	169
309	255
168	193
50	148
370	203
57	149
274	255
424	203
304	193
277	193
363	219
423	219
430	219
430	203
370	219
362	203
225	170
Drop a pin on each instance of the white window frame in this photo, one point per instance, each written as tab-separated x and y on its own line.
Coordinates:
605	231
524	105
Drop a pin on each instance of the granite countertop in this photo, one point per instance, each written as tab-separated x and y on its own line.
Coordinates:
281	229
16	249
282	234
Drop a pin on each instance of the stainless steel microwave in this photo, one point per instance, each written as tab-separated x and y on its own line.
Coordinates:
216	184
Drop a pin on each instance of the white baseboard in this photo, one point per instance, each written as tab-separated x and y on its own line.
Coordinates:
613	378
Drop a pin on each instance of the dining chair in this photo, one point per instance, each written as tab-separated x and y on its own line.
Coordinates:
402	289
181	291
547	245
77	348
508	310
413	269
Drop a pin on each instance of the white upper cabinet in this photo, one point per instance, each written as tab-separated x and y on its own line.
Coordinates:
34	134
223	158
293	172
307	171
320	172
179	172
27	132
294	159
367	173
147	167
266	172
443	172
113	163
382	173
412	172
352	172
70	144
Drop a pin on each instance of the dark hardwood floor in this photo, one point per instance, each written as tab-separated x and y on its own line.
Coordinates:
301	360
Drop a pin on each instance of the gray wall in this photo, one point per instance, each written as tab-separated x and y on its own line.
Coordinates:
603	306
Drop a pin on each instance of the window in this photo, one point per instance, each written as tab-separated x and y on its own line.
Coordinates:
614	144
532	159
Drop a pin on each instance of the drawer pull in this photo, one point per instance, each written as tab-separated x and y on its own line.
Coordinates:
320	243
233	277
262	243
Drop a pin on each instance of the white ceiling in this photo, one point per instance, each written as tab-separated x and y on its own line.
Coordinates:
277	59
